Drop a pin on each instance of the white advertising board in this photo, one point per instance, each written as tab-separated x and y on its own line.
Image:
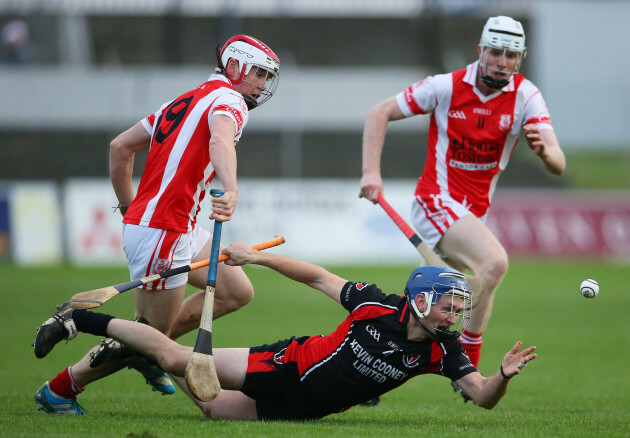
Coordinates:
93	229
323	221
35	223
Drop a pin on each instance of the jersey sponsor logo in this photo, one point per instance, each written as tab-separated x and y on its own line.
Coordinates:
506	122
482	111
411	360
457	114
373	332
472	166
469	154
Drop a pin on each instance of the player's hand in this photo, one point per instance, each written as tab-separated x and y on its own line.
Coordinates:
535	140
223	207
240	254
514	362
371	187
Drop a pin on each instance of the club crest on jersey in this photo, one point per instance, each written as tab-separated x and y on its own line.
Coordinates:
279	356
506	122
160	265
411	360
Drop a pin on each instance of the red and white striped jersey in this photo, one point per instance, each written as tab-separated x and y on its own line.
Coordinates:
471	136
179	168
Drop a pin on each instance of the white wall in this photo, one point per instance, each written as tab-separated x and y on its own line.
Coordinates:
579	59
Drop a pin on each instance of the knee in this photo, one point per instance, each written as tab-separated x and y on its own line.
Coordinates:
495	269
239	297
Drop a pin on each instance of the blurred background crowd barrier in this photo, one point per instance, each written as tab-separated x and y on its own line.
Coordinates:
76	73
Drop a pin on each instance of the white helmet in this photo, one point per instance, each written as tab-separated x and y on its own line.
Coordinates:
503	33
506	34
250	52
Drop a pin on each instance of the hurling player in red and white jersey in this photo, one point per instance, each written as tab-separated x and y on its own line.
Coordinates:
191	139
477	115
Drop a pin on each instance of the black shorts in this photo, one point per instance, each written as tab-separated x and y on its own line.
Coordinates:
273	380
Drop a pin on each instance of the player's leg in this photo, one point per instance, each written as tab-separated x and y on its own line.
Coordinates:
234	290
230	404
469	243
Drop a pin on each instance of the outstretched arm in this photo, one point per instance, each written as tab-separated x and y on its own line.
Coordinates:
314	276
487	391
373	138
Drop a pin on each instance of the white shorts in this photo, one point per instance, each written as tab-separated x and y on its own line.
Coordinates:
433	214
152	251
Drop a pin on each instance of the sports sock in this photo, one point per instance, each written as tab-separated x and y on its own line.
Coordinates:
472	345
63	385
91	322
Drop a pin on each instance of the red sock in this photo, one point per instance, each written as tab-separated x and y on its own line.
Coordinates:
64	386
472	345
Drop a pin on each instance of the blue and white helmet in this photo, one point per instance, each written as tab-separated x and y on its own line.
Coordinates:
434	282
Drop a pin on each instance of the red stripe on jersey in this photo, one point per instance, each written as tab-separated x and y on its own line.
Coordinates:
402	314
544	120
317	348
165	249
411	103
370	311
261	362
237	115
436	360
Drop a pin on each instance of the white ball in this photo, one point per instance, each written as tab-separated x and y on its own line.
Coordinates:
589	288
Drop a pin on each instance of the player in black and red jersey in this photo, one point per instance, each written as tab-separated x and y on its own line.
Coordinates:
384	341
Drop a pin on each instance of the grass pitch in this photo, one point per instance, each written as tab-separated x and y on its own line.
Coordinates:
578	386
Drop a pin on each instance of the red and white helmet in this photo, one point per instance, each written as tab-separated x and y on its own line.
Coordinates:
250	52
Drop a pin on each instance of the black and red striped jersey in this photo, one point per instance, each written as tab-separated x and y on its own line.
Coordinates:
369	353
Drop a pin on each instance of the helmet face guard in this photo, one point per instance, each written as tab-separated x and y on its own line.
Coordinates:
251	53
437	283
501	37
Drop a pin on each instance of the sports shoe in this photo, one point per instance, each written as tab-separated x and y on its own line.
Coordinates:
58	327
111	349
52	404
465	396
154	375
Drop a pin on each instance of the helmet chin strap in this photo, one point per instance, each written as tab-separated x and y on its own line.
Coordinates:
494	83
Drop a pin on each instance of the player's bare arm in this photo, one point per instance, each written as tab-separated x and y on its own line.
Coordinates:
122	150
545	144
487	391
223	157
373	138
314	276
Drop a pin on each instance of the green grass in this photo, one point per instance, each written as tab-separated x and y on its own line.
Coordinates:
579	386
588	170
